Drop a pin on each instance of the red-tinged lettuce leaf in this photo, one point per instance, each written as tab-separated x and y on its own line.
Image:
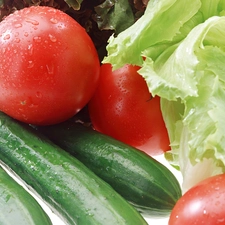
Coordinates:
9	6
114	15
140	5
114	18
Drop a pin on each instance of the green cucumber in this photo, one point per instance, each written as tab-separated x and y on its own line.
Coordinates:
17	206
74	192
147	184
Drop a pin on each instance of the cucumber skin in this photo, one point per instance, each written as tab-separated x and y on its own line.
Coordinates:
17	206
69	187
147	184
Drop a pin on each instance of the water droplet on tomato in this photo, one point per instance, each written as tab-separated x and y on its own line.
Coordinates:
27	11
14	85
33	105
17	40
50	69
217	188
38	94
61	26
30	64
6	37
30	49
26	34
37	39
52	10
32	21
3	50
54	20
18	25
52	38
217	203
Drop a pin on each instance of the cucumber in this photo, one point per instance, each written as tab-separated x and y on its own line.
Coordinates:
74	192
17	206
144	182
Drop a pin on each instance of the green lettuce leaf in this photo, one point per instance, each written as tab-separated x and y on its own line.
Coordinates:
184	58
157	28
197	129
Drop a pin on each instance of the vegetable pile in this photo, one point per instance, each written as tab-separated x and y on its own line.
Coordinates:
49	72
145	74
184	65
73	191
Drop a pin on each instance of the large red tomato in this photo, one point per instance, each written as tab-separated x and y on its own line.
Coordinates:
49	67
203	204
123	108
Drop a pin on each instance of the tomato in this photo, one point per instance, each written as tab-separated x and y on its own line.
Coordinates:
49	67
202	204
122	107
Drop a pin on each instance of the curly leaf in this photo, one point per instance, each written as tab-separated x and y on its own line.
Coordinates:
114	15
75	4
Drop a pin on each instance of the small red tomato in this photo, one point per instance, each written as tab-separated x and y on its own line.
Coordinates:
202	204
49	67
122	107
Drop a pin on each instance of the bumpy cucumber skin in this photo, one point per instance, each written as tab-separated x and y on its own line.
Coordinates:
144	182
70	188
17	206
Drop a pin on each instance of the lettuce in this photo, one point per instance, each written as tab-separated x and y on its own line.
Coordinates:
182	55
197	133
155	30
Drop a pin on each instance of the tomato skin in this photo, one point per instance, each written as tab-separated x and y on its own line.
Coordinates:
123	108
49	67
202	204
